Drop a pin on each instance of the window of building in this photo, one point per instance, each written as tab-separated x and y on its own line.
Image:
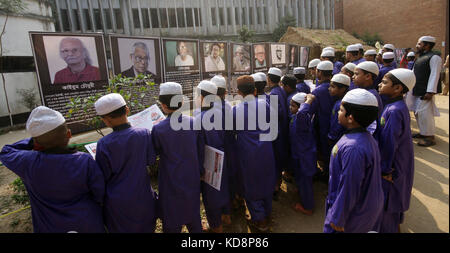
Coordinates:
11	64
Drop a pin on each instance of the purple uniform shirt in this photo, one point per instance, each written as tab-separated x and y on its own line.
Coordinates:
355	195
281	142
303	87
255	159
66	188
130	202
336	129
397	155
180	166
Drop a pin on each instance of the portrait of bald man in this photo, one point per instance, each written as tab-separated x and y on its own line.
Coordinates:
140	58
79	65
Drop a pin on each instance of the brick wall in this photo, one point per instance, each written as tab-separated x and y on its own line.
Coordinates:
338	14
398	22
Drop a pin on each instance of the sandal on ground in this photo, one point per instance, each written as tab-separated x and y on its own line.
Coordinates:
299	208
426	142
418	136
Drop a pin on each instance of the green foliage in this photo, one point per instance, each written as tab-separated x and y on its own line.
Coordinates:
245	35
132	89
20	195
369	39
283	25
28	97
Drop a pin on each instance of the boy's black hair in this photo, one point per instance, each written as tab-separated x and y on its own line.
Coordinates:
388	60
363	115
220	91
165	99
348	70
374	77
429	43
361	51
326	73
54	138
298	105
246	88
329	58
205	93
289	81
274	78
410	58
395	81
300	77
340	85
260	87
116	113
354	53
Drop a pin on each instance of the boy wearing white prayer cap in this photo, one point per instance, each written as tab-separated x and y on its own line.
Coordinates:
396	148
370	55
321	107
355	150
123	156
365	75
303	150
312	65
329	55
352	53
390	48
300	73
339	86
59	180
260	83
181	152
281	142
411	57
388	58
427	69
348	69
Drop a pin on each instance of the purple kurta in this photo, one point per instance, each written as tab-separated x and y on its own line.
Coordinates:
281	142
410	65
180	166
130	202
397	157
322	107
356	62
215	201
337	67
66	188
302	87
355	194
255	159
303	152
288	102
336	129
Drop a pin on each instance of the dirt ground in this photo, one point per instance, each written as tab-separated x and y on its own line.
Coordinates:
428	212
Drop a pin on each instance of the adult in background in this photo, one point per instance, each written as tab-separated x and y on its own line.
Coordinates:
426	69
79	68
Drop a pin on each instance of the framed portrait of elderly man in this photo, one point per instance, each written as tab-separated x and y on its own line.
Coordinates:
132	56
180	55
69	66
292	56
261	57
278	55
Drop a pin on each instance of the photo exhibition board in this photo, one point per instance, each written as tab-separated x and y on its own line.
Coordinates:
69	66
278	56
132	56
241	57
181	63
293	58
214	57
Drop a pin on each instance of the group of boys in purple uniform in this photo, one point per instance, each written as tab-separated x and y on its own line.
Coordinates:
365	144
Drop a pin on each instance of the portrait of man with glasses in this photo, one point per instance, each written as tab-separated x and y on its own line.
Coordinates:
140	58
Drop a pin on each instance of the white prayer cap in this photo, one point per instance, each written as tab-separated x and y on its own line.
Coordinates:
208	86
389	46
329	48
352	48
109	103
360	97
411	54
275	71
405	76
359	45
327	53
369	66
219	81
313	63
299	70
259	77
370	52
350	66
325	65
170	88
341	78
43	120
428	39
299	97
388	55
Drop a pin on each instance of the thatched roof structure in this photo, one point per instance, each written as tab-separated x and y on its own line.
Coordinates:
318	39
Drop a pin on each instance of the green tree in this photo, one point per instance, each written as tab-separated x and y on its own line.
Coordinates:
283	25
8	8
245	34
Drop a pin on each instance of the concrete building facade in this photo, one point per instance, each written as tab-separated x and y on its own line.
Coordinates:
398	22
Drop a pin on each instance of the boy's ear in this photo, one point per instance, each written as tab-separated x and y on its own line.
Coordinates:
69	134
127	110
350	119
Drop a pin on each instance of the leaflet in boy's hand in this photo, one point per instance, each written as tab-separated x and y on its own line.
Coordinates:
213	165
